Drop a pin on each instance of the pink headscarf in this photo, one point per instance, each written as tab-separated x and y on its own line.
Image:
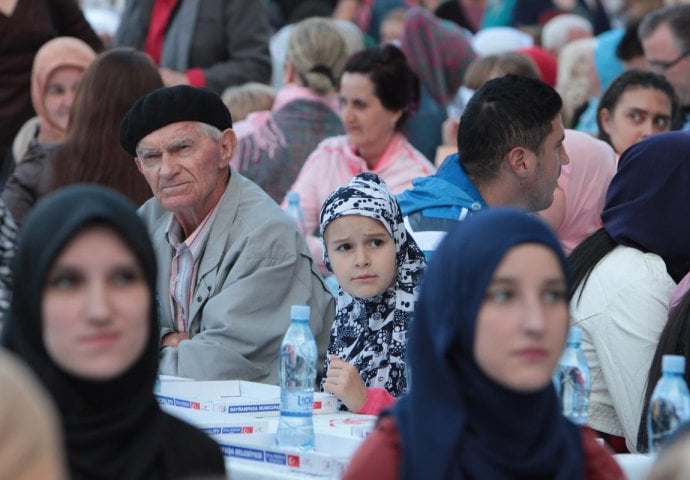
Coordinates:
678	292
583	182
56	53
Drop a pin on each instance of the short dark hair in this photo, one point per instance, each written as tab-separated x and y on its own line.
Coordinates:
635	79
677	17
630	47
505	113
395	84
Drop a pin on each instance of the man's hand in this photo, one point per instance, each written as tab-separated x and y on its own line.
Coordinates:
343	380
172	78
173	339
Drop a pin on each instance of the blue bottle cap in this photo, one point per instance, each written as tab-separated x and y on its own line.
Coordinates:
299	312
574	335
673	364
293	197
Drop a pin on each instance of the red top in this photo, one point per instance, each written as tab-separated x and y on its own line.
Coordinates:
160	17
378	399
379	456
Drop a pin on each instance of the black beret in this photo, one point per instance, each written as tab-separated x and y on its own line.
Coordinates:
167	105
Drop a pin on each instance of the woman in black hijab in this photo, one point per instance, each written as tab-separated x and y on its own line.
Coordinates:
83	317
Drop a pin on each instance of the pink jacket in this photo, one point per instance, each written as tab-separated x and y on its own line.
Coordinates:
334	163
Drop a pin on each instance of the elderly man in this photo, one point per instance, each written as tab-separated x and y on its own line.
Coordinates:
665	36
510	152
231	263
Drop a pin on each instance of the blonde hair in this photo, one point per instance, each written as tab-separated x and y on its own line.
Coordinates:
483	69
556	32
250	97
317	53
576	76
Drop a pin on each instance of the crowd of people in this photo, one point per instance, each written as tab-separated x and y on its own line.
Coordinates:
476	177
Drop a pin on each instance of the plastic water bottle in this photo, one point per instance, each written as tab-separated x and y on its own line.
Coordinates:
670	402
573	382
294	211
297	372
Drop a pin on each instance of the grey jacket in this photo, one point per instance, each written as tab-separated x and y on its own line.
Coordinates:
255	266
228	39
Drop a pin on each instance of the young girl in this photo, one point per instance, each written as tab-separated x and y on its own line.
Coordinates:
378	267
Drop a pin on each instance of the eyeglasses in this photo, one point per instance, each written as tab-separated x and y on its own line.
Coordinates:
661	66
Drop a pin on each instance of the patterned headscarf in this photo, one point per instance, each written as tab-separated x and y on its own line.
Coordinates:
438	51
371	333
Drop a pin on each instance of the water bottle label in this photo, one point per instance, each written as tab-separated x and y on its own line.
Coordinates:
665	417
297	404
574	398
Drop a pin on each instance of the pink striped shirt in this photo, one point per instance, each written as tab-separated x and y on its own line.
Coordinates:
185	263
334	163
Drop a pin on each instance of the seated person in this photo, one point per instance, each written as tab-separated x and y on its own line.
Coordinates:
231	262
489	329
636	105
379	268
625	274
510	152
377	91
84	318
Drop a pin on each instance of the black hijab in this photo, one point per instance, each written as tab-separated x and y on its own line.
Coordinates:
113	429
456	422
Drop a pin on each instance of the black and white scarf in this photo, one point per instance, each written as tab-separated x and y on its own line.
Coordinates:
371	333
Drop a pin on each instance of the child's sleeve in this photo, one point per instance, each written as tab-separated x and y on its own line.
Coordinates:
378	399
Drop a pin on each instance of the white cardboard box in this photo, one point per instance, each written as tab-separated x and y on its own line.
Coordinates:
215	424
233	397
329	458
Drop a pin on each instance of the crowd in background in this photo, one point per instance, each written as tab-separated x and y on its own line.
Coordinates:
378	114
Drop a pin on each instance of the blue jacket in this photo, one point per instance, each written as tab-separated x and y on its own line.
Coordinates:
436	203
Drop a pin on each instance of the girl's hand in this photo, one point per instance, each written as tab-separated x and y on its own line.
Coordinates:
343	380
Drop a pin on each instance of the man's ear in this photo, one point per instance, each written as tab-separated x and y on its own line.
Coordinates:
138	163
228	142
519	161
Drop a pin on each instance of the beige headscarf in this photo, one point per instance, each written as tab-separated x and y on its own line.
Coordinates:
56	53
30	446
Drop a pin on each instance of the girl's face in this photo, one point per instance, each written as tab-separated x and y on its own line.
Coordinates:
59	94
368	123
95	306
523	321
362	255
639	113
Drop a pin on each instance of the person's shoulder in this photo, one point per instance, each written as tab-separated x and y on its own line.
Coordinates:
152	213
632	264
330	144
599	462
379	456
256	212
